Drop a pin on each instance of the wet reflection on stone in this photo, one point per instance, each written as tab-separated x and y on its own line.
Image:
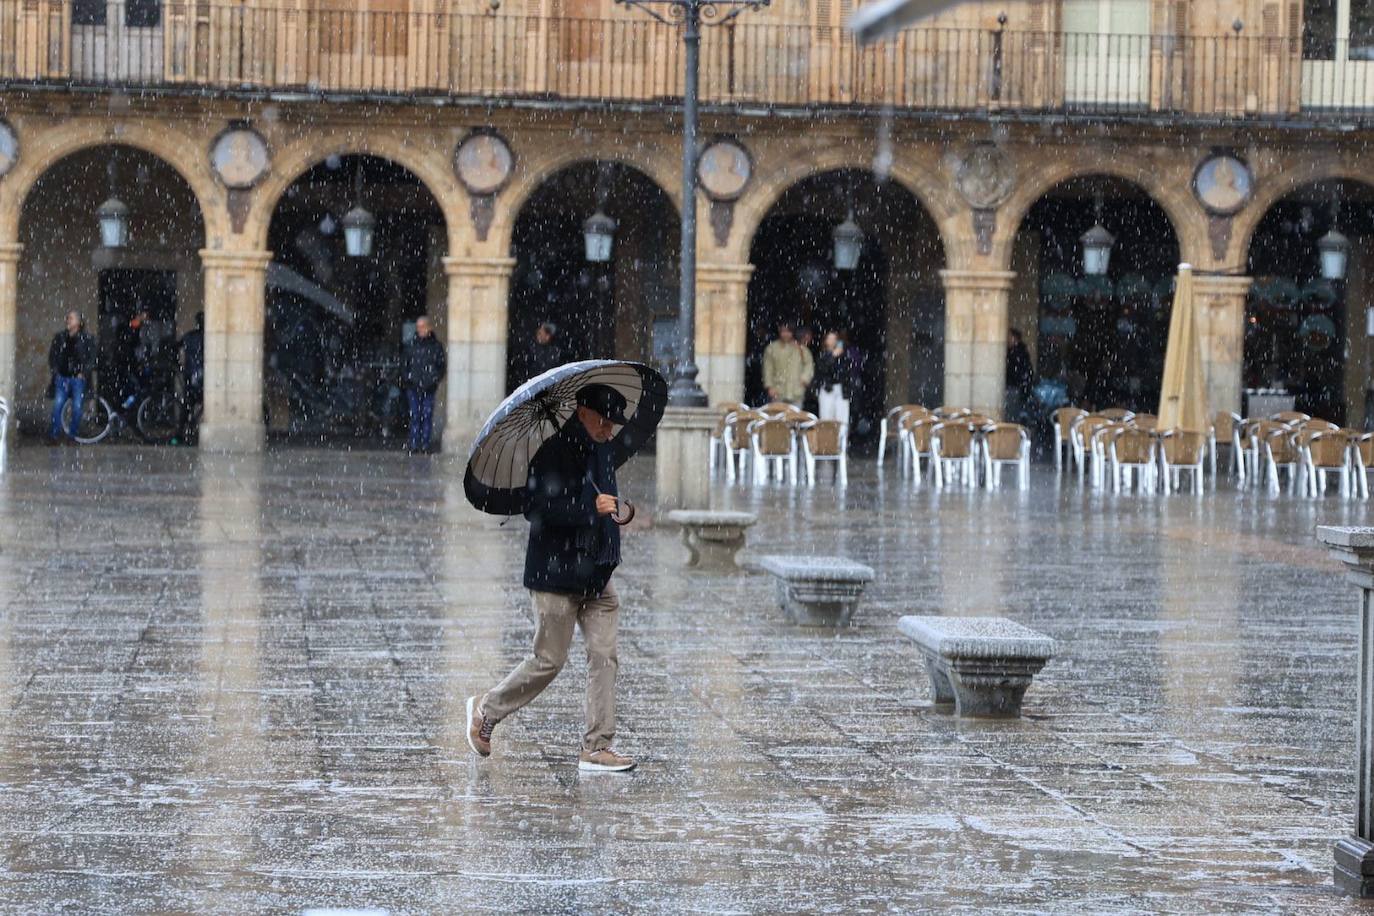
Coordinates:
237	685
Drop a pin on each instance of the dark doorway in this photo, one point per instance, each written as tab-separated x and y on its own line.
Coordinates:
622	308
335	322
804	288
1100	339
123	350
1298	336
559	285
890	307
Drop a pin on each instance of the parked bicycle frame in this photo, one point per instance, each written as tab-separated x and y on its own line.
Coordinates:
155	415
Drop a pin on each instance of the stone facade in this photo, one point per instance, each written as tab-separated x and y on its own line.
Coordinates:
976	202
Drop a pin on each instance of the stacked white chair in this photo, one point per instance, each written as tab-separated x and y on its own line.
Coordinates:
1003	444
825	440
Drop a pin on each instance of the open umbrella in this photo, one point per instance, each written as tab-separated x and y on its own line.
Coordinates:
1183	399
499	462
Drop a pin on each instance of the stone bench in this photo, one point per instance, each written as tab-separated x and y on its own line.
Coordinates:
818	591
712	538
982	665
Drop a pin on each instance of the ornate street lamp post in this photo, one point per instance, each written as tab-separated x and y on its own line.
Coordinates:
692	15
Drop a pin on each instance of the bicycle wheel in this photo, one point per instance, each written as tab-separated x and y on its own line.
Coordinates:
159	417
96	420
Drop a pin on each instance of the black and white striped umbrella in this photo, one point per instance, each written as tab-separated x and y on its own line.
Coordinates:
498	465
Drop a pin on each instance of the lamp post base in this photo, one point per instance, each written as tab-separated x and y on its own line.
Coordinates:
1354	871
686	393
682	458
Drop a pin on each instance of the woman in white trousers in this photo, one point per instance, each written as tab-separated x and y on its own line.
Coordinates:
835	376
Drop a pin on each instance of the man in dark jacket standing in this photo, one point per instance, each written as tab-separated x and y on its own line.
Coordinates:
573	549
423	365
544	353
71	358
192	376
1020	377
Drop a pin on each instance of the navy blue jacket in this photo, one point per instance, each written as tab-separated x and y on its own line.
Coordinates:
572	550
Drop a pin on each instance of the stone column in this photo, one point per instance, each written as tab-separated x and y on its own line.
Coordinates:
1354	870
722	316
478	289
681	454
1220	305
976	304
235	317
9	310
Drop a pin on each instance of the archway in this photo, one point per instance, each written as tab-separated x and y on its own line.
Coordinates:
624	307
1304	337
65	267
892	302
1096	340
336	321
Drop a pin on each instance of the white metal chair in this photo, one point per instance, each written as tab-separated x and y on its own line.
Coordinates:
825	440
1324	453
954	454
1082	431
774	449
1064	419
4	433
891	428
1281	454
1095	435
1006	443
1226	426
1182	451
915	444
737	443
1133	458
1362	459
717	446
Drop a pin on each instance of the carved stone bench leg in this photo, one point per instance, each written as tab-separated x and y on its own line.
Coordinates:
940	688
712	547
989	691
693	555
817	604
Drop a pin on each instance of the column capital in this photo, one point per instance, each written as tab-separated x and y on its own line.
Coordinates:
724	273
479	267
1222	285
999	280
10	253
218	259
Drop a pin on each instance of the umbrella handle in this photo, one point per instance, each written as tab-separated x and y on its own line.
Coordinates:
626	504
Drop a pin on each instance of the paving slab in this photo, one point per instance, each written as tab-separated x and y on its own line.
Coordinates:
236	685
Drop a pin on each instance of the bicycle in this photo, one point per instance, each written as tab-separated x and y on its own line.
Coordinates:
156	417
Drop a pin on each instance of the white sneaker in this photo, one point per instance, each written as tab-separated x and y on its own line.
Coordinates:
604	761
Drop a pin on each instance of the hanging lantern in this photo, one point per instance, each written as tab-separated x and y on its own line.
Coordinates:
1097	250
598	235
1334	249
113	217
849	242
359	227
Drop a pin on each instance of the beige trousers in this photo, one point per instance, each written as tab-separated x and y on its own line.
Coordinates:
557	615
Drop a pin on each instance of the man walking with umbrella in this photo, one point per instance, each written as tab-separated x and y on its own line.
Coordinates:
571	502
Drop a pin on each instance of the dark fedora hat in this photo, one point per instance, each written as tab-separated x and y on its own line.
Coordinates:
605	400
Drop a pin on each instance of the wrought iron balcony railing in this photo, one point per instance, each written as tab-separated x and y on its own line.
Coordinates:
327	49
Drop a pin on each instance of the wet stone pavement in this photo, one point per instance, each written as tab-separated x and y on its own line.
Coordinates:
237	685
